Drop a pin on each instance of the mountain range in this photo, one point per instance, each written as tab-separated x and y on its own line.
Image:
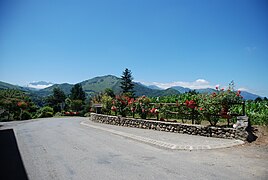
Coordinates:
99	84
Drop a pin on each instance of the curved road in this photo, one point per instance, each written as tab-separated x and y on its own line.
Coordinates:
62	148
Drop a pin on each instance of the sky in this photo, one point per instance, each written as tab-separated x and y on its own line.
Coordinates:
190	43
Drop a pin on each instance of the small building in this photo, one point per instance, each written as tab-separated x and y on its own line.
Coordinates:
97	107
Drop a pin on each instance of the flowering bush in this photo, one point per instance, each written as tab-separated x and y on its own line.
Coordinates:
218	104
22	104
142	105
120	105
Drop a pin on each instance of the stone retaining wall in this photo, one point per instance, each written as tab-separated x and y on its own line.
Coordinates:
218	132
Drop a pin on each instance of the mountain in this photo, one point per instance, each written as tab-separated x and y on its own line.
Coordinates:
181	89
154	87
4	85
65	87
205	91
247	96
99	84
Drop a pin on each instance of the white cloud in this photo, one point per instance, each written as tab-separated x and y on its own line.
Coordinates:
39	86
243	89
197	84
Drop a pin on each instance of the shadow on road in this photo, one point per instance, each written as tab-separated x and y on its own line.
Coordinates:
11	164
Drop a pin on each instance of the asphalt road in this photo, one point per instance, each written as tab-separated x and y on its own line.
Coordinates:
62	148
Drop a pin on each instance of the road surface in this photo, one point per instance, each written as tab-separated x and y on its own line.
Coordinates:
62	148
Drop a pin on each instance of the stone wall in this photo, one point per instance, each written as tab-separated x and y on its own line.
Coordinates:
218	132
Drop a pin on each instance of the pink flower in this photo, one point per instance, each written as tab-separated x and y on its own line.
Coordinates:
113	108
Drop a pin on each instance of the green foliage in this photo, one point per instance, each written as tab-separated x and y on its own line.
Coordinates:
126	82
257	112
26	115
258	99
142	106
109	92
77	93
57	100
76	105
107	103
58	114
120	105
45	112
14	104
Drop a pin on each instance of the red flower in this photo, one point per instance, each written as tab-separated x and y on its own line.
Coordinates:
222	89
113	108
190	104
201	109
217	87
130	101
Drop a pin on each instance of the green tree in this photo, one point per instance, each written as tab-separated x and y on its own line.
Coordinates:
258	99
44	112
57	100
77	93
76	105
109	92
126	83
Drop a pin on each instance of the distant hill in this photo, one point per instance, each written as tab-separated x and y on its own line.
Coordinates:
181	89
247	96
154	87
205	91
65	87
4	85
99	84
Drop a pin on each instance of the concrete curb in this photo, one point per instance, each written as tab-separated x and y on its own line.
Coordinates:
162	144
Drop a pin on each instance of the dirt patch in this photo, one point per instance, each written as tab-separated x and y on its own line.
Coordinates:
262	136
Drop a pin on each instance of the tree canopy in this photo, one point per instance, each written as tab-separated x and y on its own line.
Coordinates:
126	82
77	93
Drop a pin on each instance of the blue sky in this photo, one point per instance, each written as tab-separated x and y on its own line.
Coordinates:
194	43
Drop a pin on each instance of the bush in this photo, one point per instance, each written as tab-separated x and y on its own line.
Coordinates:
58	114
26	115
45	112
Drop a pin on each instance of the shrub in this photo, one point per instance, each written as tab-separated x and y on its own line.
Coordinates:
45	112
26	115
58	114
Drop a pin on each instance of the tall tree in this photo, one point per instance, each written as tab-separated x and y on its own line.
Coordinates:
57	100
126	82
77	93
